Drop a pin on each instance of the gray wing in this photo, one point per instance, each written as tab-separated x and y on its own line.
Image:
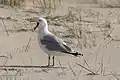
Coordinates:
53	43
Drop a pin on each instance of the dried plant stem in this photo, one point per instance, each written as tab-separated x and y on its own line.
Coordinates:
87	69
20	66
114	75
5	28
60	2
80	72
86	63
45	5
27	46
71	69
60	64
54	4
96	58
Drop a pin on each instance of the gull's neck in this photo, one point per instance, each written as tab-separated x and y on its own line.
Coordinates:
43	31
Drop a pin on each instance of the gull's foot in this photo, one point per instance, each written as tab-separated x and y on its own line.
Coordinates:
50	66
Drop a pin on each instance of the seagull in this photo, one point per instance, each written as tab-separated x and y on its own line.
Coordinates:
51	44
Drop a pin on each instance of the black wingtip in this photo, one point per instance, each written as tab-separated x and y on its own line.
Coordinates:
79	54
76	54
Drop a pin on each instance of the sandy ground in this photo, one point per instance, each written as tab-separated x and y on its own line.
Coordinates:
100	45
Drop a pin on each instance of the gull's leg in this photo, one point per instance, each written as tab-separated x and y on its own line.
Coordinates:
48	60
53	60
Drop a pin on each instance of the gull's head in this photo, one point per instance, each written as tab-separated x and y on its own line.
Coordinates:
41	22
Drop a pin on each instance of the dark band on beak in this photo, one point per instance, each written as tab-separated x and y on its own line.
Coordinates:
36	26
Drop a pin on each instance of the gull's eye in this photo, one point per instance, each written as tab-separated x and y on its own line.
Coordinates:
40	20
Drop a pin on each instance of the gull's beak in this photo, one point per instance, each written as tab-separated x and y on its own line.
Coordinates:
36	26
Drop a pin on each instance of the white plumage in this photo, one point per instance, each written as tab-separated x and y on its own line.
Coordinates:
51	44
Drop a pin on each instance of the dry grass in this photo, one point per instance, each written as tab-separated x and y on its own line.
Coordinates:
110	4
77	32
13	2
47	6
75	26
